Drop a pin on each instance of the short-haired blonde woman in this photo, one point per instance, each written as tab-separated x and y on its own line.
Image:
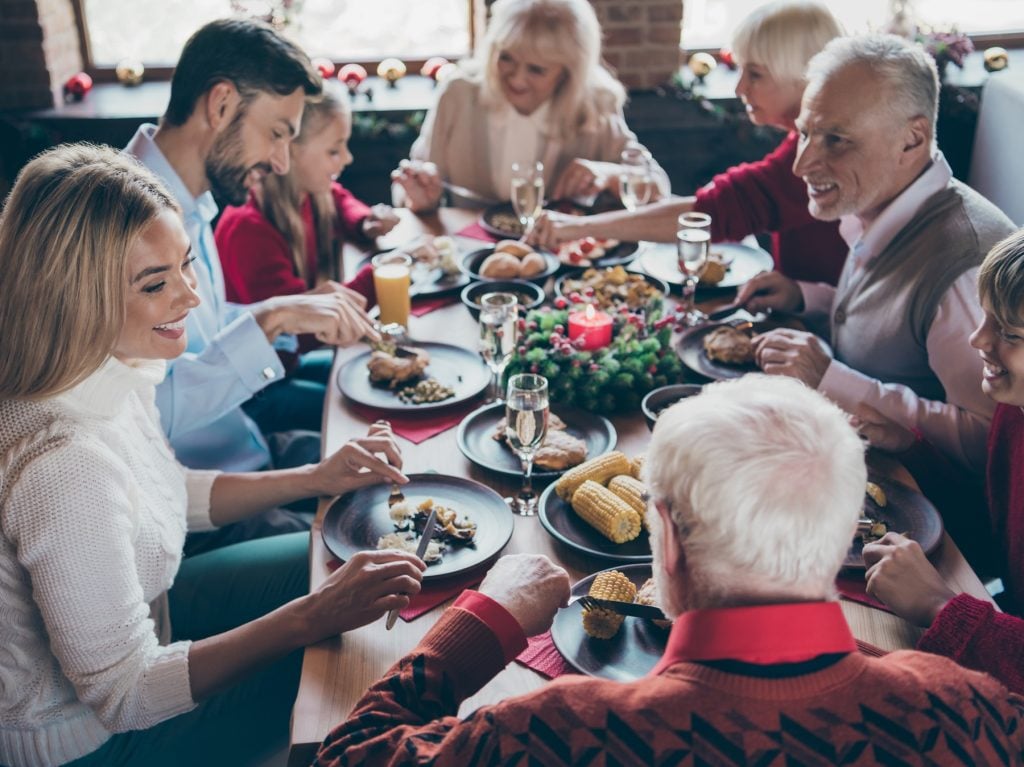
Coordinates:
112	649
537	91
772	46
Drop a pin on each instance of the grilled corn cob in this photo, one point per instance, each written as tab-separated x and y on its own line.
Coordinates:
635	465
601	623
599	469
611	516
631	491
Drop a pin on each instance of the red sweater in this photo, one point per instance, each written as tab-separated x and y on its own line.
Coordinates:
765	196
969	630
904	708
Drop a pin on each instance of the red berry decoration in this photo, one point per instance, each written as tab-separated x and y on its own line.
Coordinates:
623	309
587	245
560	303
560	329
521	324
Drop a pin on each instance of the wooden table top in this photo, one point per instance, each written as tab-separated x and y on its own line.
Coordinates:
336	672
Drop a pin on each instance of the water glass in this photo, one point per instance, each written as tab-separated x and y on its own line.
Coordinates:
499	333
527	192
526	425
693	240
636	182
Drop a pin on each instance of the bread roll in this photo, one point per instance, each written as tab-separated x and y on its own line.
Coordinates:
500	266
513	247
532	264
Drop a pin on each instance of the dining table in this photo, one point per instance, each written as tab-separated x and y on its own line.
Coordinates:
337	671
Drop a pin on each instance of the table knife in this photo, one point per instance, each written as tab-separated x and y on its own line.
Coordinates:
421	549
631	608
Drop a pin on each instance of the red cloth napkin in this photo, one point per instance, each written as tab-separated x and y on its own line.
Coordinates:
542	656
854	588
426	305
476	232
434	594
418	428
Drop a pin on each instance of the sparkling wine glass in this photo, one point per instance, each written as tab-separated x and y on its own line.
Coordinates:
693	240
636	183
527	192
499	332
526	424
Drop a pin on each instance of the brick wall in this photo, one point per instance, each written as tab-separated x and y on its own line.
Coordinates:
39	50
641	39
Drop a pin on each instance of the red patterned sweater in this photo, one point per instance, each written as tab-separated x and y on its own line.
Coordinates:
765	196
905	708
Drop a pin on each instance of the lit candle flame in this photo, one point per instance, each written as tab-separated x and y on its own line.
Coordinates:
589	313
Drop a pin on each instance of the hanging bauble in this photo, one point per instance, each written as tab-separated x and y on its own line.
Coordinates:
701	64
996	59
324	66
76	86
727	58
391	70
432	66
130	71
352	75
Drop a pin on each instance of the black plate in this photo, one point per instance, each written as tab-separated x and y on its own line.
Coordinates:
471	265
691	350
477	445
502	222
559	519
627	656
662	259
453	366
656	282
906	511
357	520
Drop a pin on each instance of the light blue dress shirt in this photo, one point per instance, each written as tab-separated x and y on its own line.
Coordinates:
228	358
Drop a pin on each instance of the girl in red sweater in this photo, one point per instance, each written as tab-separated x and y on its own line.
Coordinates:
966	629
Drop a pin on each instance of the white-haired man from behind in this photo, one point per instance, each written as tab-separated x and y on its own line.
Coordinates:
756	489
906	300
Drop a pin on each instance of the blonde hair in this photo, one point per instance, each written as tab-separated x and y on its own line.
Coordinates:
784	35
561	33
74	213
282	198
1001	280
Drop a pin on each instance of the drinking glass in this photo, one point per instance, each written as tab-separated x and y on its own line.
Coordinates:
526	424
635	181
499	326
391	279
693	240
527	192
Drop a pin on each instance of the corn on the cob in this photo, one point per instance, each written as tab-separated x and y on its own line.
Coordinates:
876	494
601	623
599	469
631	491
635	465
611	516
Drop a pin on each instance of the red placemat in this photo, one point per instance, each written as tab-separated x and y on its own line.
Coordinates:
421	306
417	428
476	232
854	588
542	656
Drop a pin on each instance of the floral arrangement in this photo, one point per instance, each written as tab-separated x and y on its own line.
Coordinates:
945	47
614	378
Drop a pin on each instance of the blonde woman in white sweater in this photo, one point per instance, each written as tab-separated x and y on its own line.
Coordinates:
112	650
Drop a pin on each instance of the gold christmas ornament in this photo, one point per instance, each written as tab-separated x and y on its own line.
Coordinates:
391	70
130	71
996	59
701	64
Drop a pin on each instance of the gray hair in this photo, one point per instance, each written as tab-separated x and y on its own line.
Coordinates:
783	36
764	479
910	81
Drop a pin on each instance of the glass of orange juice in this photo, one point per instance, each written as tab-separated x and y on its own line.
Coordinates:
391	279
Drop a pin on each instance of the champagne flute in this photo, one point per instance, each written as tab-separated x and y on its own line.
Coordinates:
499	326
635	180
526	424
527	192
693	240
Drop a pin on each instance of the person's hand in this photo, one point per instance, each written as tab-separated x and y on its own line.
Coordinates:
900	575
583	178
334	316
792	353
551	229
381	220
531	587
333	286
770	290
360	591
421	183
363	461
881	431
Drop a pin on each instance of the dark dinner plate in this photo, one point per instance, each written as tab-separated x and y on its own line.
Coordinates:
453	366
906	511
501	220
662	261
357	520
471	264
477	444
559	519
576	274
629	655
691	349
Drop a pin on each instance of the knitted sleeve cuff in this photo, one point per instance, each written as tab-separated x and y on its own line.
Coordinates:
167	690
199	486
505	627
955	625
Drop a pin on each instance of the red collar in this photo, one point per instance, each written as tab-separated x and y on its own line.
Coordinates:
766	634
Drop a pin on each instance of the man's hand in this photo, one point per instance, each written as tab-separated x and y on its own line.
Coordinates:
900	575
380	220
331	314
792	353
421	183
881	431
771	290
531	587
551	229
583	178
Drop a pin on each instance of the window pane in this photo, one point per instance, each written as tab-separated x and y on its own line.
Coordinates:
154	31
975	17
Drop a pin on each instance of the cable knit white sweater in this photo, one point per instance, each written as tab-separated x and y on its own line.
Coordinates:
93	514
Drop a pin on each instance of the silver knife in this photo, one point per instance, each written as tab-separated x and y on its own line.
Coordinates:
421	549
631	608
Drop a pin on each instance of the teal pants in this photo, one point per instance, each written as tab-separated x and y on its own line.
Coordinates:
243	725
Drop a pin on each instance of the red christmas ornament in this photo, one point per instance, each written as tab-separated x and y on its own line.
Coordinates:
432	66
726	57
77	86
324	66
352	75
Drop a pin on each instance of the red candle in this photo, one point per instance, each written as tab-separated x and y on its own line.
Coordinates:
591	328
